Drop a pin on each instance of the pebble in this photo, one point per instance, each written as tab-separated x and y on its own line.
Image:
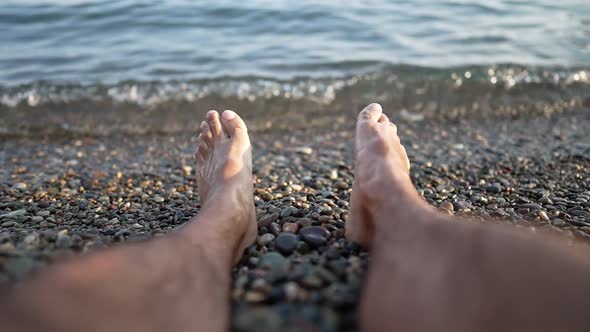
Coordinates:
447	206
14	213
286	243
265	239
558	222
44	213
275	228
290	227
275	264
267	220
262	319
63	239
254	297
531	206
543	215
314	235
20	186
286	212
304	150
37	219
493	188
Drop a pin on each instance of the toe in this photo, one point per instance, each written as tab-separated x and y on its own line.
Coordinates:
383	118
206	133
232	123
199	158
202	148
371	113
214	124
393	127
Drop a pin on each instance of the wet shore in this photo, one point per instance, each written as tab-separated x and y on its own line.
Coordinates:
67	195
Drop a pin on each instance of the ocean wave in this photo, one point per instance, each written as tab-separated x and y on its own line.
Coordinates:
250	88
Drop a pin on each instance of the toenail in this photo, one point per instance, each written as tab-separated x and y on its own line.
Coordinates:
373	105
228	115
210	113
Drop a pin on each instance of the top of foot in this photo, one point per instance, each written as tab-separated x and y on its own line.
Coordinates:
381	173
224	178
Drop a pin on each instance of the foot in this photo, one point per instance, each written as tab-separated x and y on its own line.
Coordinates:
224	180
382	183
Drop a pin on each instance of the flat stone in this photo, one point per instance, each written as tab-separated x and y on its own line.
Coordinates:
20	186
558	222
314	235
14	213
531	206
37	219
44	213
580	213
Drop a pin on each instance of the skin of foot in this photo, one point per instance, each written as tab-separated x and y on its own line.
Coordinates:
224	178
381	174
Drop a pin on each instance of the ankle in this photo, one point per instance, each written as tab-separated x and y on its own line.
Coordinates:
400	213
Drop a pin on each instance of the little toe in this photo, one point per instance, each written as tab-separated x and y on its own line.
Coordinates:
233	125
214	124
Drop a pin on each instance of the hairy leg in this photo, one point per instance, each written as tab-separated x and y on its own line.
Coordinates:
178	283
431	272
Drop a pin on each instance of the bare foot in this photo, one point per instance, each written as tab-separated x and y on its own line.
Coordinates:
381	174
224	179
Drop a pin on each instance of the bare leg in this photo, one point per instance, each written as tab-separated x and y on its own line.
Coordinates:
430	272
177	283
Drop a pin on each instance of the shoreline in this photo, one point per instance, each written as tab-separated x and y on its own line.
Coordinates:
531	170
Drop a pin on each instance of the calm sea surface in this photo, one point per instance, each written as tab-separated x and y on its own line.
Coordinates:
141	49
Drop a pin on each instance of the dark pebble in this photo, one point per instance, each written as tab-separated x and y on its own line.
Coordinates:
314	235
267	220
286	243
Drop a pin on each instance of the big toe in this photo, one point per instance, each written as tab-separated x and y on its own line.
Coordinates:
371	113
367	123
233	125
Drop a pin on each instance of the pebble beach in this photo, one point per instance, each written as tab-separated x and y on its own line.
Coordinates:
65	196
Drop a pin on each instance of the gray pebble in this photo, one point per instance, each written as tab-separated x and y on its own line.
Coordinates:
286	243
265	239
